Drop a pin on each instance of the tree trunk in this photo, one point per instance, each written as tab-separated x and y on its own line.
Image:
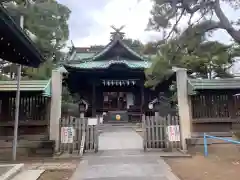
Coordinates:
225	23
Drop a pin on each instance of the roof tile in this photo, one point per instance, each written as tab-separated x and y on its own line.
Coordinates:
43	86
212	84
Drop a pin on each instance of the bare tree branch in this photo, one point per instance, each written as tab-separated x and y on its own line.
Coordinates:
225	23
187	6
176	24
204	7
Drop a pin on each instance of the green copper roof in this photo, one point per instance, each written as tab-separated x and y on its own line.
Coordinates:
121	43
116	48
43	86
115	52
212	84
108	63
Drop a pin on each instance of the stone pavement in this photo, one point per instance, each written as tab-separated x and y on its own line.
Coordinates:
121	158
123	165
115	137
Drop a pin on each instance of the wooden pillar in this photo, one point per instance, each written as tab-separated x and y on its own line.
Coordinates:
184	108
55	112
232	107
142	97
94	99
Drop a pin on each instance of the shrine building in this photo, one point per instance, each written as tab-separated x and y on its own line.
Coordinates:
110	79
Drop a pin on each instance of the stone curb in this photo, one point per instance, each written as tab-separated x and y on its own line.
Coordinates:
12	172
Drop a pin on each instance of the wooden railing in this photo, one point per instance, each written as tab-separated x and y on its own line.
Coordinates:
158	130
85	136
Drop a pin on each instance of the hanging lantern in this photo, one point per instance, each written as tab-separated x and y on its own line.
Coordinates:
118	117
172	87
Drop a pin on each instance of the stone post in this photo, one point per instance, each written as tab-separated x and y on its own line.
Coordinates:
183	107
55	111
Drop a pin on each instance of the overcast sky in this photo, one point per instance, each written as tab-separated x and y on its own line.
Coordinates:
90	20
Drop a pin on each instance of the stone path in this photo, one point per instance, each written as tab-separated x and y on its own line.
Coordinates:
116	138
121	158
123	165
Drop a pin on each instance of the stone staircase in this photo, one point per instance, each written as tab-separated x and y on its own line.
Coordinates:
28	175
19	172
10	171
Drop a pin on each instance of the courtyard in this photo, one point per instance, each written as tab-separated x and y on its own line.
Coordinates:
75	87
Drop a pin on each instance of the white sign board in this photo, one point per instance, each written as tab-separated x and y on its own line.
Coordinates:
67	134
101	120
92	121
173	133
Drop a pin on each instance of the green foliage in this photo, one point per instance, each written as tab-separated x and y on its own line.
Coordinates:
213	57
134	44
189	48
70	103
205	59
159	70
44	72
47	19
150	48
66	95
4	78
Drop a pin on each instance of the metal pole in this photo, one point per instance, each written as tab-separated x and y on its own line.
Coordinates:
205	145
15	138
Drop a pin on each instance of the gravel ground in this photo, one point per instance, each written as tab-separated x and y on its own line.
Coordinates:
63	174
222	163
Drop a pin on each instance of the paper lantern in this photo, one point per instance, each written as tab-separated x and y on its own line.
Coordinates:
118	117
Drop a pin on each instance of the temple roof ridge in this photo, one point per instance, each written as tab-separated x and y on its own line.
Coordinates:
110	45
117	51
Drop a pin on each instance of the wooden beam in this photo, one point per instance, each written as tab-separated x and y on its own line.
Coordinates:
142	97
94	99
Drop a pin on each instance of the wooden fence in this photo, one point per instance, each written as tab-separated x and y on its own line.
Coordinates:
85	136
34	113
161	132
215	107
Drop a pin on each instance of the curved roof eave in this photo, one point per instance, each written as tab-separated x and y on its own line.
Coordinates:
111	45
22	37
104	66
